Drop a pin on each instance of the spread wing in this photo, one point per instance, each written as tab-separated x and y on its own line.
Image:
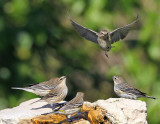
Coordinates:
121	33
84	32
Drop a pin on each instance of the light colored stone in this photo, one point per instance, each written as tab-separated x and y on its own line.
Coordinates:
117	110
83	122
123	111
25	110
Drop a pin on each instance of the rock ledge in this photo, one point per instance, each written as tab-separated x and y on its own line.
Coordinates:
113	110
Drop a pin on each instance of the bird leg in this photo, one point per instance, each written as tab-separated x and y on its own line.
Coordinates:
106	54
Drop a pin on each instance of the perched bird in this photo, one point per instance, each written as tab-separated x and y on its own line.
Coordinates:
52	91
104	38
72	106
57	94
44	88
124	90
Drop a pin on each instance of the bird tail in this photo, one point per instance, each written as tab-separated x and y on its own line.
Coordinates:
26	89
150	97
17	88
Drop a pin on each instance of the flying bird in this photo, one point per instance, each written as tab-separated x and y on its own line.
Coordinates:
125	90
104	38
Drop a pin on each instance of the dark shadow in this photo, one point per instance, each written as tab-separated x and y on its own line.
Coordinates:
76	117
54	107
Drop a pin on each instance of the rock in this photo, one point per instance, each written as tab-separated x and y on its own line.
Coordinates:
24	111
113	110
122	111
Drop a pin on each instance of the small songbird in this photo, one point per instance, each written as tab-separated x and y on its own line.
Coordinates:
52	91
57	94
44	88
124	90
72	106
104	38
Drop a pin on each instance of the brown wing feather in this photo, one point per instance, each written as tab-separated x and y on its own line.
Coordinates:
52	93
84	32
127	88
121	33
74	103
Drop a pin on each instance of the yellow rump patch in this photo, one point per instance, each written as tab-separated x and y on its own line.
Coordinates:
120	92
61	111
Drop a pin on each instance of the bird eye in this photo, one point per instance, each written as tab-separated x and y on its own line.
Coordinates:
60	78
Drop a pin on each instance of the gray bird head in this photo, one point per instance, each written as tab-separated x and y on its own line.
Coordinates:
56	81
103	33
118	79
80	94
62	79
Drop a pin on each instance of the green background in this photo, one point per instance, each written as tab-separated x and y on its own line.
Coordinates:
38	42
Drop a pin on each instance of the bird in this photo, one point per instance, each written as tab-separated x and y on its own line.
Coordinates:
52	91
43	88
73	106
125	90
104	38
57	94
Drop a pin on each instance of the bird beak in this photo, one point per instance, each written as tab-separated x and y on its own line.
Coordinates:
63	77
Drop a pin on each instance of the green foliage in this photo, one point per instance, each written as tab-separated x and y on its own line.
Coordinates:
37	42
